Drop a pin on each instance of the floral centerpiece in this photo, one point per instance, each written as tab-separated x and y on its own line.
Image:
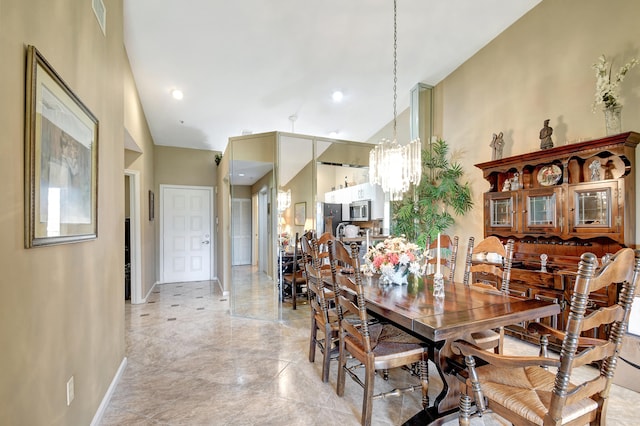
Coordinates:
284	239
608	86
394	258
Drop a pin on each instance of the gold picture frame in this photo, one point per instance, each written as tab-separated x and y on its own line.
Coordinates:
152	205
299	213
61	160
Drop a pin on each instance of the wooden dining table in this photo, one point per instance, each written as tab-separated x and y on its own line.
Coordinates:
440	321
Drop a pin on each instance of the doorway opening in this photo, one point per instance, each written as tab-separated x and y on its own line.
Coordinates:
132	213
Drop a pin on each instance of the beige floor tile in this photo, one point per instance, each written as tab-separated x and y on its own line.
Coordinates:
192	363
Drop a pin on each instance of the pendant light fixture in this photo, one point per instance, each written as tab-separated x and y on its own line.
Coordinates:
393	166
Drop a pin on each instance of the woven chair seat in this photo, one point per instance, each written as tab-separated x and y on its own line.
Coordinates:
388	340
527	391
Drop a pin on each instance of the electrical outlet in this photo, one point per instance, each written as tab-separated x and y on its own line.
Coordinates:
70	391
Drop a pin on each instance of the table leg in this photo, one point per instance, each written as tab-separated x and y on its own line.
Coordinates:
445	407
449	398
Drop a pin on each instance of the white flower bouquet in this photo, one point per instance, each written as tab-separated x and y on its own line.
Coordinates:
608	86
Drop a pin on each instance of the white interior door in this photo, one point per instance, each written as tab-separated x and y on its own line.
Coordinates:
241	231
186	233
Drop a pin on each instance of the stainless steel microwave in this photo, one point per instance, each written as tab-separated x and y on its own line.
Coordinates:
359	211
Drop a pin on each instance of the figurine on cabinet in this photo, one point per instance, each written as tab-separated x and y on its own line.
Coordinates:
515	181
545	136
497	143
506	186
595	170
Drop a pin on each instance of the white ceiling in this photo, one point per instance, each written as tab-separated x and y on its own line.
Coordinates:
249	65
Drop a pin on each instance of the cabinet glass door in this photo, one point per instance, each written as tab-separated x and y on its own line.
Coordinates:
594	208
501	211
541	210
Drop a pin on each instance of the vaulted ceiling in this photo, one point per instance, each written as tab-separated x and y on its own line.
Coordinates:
252	66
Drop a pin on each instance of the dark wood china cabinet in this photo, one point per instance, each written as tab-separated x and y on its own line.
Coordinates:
557	204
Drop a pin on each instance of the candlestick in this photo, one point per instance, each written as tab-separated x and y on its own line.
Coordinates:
438	256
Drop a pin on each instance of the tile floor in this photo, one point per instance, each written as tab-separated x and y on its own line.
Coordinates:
192	363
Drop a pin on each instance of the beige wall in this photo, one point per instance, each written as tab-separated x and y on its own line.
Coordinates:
137	130
538	68
182	166
302	191
62	307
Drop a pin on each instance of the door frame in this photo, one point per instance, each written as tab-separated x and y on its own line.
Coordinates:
135	236
263	235
161	230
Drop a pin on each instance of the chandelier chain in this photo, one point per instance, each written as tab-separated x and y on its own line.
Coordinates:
391	165
395	68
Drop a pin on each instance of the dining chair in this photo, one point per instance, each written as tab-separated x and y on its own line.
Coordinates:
378	346
524	391
448	255
294	278
324	318
488	266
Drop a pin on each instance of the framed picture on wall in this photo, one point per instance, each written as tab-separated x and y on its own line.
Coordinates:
61	160
299	213
152	204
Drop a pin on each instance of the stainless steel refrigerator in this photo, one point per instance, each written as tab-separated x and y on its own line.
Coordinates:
329	217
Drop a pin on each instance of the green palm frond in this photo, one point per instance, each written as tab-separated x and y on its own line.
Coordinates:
438	193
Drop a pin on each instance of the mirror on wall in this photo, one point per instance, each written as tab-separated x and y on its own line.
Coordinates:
252	183
342	179
296	176
277	185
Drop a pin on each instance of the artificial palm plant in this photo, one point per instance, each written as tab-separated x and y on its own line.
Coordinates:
427	209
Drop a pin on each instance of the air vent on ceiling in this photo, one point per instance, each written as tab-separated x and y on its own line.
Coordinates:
101	14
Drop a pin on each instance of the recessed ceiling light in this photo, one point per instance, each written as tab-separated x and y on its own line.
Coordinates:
241	174
177	94
337	96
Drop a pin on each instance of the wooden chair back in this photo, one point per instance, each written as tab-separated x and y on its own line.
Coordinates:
622	269
560	398
500	270
448	254
315	282
296	277
349	292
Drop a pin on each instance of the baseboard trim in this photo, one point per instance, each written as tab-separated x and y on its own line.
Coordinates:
150	291
97	418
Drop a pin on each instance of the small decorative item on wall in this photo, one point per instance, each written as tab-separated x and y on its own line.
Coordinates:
300	213
61	160
152	205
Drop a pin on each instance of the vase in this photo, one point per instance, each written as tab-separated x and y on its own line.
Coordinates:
612	120
392	276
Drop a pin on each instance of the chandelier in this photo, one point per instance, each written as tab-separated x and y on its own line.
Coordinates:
393	166
284	200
